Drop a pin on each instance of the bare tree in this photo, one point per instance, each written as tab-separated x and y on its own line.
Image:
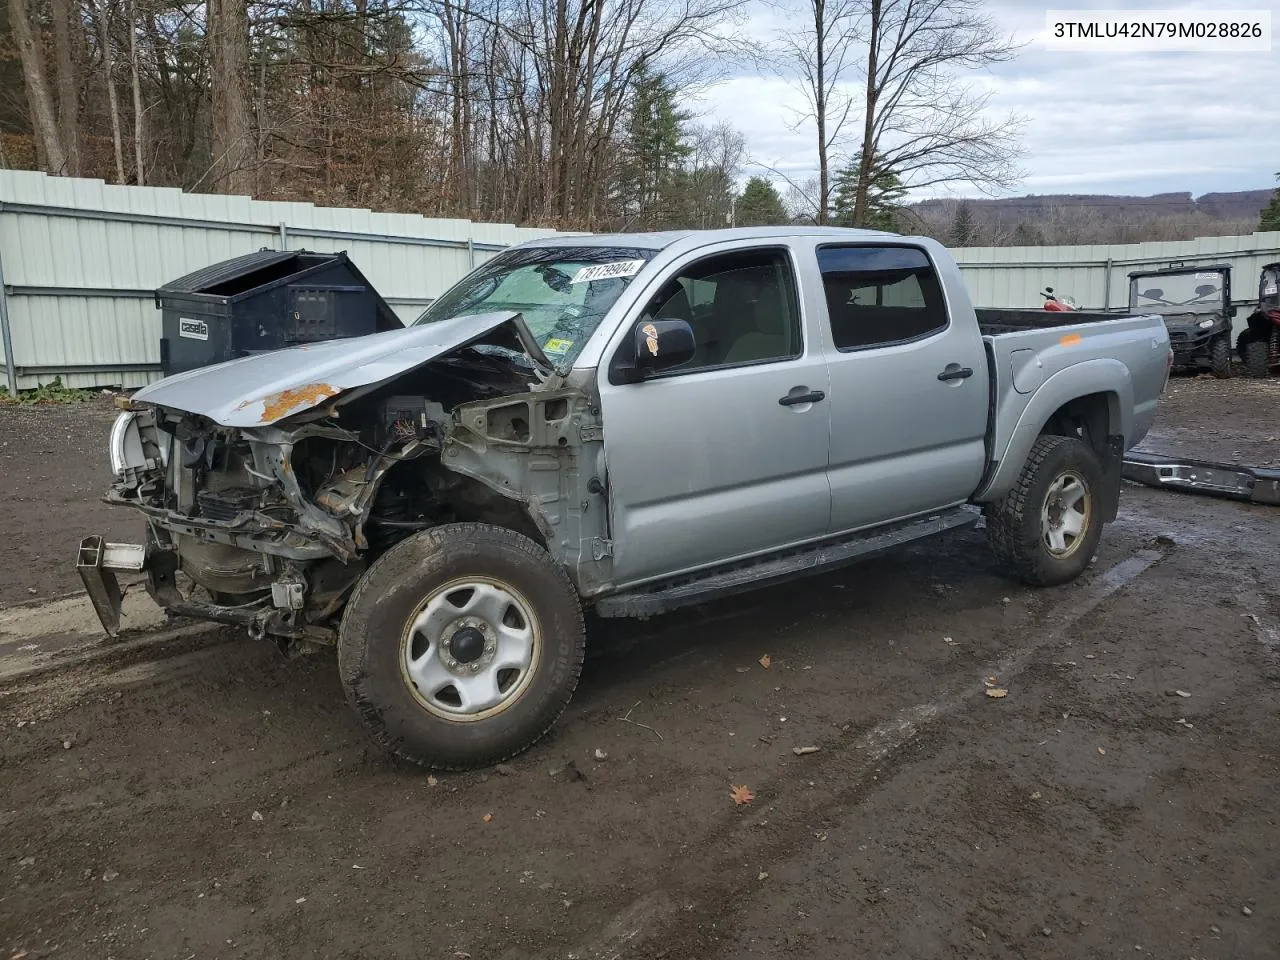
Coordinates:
819	60
139	115
921	121
228	33
68	83
102	15
43	118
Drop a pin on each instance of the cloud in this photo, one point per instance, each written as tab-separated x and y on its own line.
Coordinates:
1096	123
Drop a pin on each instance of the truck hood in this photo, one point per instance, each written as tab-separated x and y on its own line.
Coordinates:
261	389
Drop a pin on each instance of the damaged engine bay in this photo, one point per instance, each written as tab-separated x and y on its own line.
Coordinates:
271	526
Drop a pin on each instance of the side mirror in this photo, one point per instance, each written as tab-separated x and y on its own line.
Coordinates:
662	344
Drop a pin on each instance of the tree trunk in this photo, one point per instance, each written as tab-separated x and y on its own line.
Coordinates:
869	146
39	99
68	85
139	125
820	110
228	66
102	13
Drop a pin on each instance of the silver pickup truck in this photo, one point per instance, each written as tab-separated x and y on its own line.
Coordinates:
627	423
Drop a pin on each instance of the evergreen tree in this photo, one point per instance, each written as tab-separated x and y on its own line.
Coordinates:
654	153
964	228
1270	219
760	205
884	197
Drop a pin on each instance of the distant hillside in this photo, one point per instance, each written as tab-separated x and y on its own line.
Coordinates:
1090	218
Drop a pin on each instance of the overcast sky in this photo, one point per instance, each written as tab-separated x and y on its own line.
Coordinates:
1135	123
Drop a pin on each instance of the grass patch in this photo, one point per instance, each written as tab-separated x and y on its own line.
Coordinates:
48	394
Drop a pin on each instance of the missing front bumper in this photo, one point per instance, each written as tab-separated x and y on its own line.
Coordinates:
98	563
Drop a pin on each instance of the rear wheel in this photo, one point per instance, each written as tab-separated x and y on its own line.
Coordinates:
1046	529
461	646
1256	359
1220	355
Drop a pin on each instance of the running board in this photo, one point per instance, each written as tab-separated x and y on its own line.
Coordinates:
1252	484
779	568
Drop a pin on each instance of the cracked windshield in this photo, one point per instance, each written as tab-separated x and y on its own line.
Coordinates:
1199	292
562	293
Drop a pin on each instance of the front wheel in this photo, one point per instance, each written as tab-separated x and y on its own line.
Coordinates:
1220	356
461	646
1045	530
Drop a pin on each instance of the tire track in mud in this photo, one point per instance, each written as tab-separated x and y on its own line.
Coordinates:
713	876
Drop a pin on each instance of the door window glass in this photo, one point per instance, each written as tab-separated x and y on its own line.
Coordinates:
880	295
742	307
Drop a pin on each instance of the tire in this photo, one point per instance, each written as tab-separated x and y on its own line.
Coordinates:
436	605
1220	356
1256	359
1016	524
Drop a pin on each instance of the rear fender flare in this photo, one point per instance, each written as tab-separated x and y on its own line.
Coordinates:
1101	375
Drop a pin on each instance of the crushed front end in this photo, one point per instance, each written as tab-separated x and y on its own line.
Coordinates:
271	525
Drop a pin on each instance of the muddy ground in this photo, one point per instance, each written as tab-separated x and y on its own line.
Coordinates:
204	797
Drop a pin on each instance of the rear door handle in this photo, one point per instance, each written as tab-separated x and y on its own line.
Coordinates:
791	399
955	372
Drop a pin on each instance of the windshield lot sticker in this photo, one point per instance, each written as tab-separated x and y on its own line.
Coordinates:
556	345
193	329
650	337
608	271
1206	276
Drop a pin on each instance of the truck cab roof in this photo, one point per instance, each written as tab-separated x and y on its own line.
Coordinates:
660	240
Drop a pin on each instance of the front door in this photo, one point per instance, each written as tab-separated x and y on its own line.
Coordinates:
908	388
726	456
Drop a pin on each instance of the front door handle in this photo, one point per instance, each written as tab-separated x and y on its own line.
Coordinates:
955	372
791	399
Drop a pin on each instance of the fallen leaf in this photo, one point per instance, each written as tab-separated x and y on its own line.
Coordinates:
1036	795
765	661
256	817
801	751
990	681
762	875
432	781
301	900
1102	751
741	795
995	693
487	818
1182	693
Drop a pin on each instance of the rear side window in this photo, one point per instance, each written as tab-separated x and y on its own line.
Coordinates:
878	296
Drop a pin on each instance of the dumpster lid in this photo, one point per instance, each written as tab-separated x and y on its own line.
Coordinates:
252	273
227	270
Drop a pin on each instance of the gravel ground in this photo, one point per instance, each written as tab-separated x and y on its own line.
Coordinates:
208	798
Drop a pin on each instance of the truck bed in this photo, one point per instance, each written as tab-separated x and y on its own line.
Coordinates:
993	321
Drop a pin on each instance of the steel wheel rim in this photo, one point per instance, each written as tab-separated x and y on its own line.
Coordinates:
438	650
1065	514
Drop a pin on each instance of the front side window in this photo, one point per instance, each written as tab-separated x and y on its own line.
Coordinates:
742	307
562	292
877	296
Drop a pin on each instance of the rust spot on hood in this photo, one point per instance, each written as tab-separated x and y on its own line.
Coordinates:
276	406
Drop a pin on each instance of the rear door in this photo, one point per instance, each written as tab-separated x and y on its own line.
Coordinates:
725	456
908	387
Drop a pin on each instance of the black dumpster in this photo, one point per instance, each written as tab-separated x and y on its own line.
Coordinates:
264	301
